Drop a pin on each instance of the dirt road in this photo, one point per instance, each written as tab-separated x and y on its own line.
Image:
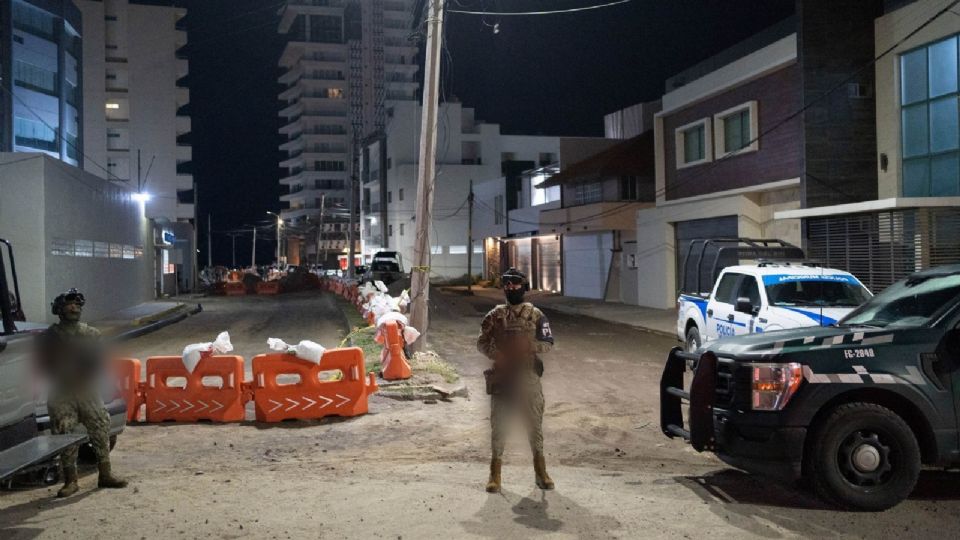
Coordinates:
416	470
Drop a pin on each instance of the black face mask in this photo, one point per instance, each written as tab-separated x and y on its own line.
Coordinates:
514	296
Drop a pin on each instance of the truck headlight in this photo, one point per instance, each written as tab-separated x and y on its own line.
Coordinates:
774	384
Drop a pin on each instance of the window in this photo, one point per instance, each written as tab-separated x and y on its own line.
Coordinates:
390	230
401	229
929	120
436	250
736	130
389	197
34	20
726	289
587	193
749	289
329	166
400	196
457	250
34	77
546	158
693	143
84	248
629	188
33	134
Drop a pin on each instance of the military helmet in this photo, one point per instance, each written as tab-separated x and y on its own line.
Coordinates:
513	276
72	296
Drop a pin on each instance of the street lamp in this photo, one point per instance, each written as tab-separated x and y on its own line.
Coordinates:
279	224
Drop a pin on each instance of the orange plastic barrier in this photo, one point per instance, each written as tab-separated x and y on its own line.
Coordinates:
212	392
310	398
235	288
127	373
395	366
268	287
371	318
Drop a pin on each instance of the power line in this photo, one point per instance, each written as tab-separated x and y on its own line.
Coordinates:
553	12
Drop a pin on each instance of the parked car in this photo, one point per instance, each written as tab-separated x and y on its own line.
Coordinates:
386	266
855	409
766	296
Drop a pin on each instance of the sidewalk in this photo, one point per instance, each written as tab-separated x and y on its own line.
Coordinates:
656	321
139	315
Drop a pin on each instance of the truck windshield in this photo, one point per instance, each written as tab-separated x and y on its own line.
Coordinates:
815	292
908	303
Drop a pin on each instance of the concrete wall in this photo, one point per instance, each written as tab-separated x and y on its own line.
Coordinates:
46	207
890	29
655	247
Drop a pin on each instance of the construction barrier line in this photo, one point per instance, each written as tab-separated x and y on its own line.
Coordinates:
212	392
394	361
310	397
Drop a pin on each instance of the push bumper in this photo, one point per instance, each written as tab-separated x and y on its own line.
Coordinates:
745	440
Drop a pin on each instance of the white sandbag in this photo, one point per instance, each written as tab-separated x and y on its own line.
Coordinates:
392	316
310	351
194	352
410	334
305	350
381	286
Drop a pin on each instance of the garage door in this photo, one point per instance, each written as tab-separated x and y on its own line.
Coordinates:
686	231
586	263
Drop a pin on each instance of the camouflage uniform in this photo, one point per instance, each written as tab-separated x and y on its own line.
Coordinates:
73	360
512	336
71	354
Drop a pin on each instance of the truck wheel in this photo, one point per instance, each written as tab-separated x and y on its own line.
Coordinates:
693	341
863	457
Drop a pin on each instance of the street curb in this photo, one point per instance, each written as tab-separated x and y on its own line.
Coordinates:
140	321
157	325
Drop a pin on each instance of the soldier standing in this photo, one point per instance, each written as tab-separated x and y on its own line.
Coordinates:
512	335
71	354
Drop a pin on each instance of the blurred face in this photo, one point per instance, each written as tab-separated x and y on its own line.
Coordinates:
72	311
513	288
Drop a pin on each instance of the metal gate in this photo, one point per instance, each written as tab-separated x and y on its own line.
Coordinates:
883	247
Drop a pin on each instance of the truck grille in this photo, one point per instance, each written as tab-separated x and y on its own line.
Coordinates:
733	385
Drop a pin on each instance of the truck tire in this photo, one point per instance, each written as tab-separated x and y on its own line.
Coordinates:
693	341
863	457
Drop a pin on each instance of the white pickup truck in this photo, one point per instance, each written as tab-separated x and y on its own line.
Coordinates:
764	297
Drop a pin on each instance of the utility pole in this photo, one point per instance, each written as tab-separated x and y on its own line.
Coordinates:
420	275
470	240
209	243
354	206
254	262
233	249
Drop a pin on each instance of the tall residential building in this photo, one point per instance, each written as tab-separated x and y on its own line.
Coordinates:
40	72
345	63
136	118
136	122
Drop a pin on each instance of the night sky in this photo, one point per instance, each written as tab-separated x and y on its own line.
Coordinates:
549	75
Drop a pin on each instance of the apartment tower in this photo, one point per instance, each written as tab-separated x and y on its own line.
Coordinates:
344	63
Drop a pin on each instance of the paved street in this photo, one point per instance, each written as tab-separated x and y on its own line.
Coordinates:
417	470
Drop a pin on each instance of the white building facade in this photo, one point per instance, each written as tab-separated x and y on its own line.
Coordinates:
467	150
345	62
136	123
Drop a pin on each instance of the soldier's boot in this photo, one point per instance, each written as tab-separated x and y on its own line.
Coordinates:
70	485
540	468
107	478
493	484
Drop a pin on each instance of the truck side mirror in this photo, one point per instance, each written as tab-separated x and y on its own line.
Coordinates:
744	305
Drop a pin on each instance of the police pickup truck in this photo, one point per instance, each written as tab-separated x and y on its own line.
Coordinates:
764	296
855	409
